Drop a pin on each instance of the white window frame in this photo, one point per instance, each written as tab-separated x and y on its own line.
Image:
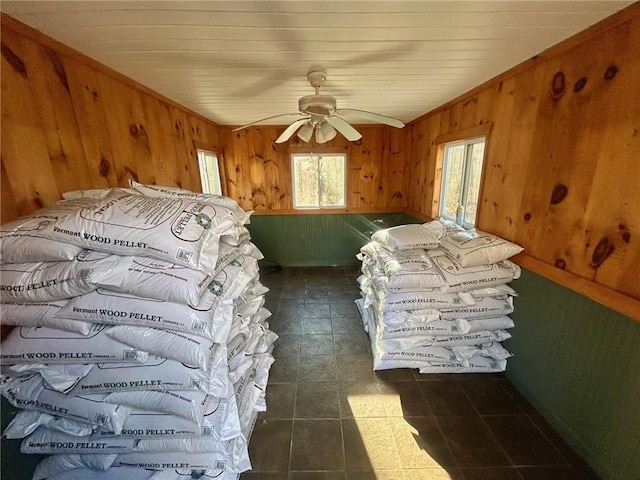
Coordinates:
318	156
203	167
465	175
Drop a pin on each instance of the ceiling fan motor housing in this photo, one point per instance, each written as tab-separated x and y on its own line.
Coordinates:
317	104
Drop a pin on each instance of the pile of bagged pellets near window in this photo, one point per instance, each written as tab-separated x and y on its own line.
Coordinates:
141	348
435	298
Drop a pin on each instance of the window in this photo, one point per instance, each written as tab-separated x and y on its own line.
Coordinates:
209	172
461	172
319	181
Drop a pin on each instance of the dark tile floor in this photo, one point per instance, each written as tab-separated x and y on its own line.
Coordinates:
331	417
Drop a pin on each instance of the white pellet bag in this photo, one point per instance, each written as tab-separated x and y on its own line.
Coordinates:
398	317
157	374
492	323
24	240
220	420
148	424
475	338
239	326
150	278
242	217
473	248
406	237
265	344
414	299
31	393
364	313
249	249
230	282
183	461
495	291
44	441
491	350
236	236
55	465
222	321
463	279
442	327
423	329
394	350
183	347
248	305
172	230
95	193
61	377
256	288
104	306
189	404
450	226
41	314
484	307
402	282
115	473
403	269
252	385
49	345
476	364
182	474
391	263
380	364
47	281
446	340
26	421
226	254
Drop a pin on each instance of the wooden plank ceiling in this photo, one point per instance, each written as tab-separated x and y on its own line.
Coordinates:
236	62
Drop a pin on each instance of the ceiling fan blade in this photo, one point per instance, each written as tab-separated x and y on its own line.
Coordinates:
286	135
376	117
265	119
344	128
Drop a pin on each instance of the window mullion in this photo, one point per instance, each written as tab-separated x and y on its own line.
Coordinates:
319	172
445	184
466	168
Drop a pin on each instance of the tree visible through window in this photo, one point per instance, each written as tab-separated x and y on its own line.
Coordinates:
319	181
462	169
209	172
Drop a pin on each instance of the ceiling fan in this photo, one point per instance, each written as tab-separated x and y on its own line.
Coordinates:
320	113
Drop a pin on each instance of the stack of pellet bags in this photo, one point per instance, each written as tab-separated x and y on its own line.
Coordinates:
141	348
435	298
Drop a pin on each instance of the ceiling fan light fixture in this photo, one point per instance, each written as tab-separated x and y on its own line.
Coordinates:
306	131
325	132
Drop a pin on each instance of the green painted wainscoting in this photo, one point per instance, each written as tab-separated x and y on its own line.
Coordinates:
318	239
578	362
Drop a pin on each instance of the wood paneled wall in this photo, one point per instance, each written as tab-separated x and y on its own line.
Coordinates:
562	162
259	171
70	123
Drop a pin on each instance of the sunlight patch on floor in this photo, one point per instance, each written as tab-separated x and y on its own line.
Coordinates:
393	445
